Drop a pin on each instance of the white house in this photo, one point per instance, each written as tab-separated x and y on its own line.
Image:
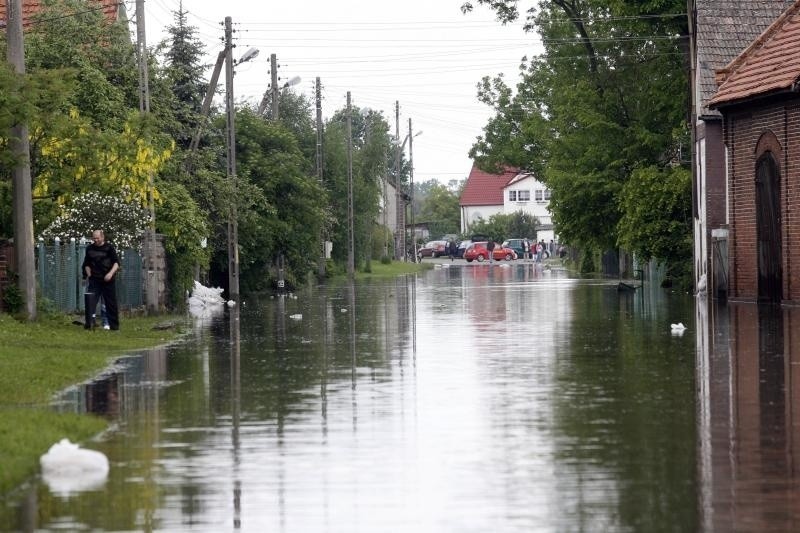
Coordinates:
487	194
527	194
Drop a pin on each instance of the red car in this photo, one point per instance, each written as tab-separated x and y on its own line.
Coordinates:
433	249
478	252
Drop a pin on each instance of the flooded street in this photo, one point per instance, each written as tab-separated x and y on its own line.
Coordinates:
471	398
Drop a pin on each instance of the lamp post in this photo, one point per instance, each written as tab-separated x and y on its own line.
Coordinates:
233	229
410	138
400	149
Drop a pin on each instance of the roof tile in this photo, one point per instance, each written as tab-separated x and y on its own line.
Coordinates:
32	7
483	188
770	64
724	28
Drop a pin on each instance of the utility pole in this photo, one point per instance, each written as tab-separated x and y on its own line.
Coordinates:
351	258
273	71
21	173
411	191
151	280
400	223
233	228
318	94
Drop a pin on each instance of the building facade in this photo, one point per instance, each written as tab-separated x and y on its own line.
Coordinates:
759	100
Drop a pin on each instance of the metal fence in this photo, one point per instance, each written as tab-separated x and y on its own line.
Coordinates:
61	281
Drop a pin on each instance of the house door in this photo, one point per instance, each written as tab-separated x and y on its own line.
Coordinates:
768	229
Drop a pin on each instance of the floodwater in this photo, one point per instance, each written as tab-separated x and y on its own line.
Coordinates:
479	398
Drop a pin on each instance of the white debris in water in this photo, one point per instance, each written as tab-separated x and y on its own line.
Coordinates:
67	468
205	301
298	316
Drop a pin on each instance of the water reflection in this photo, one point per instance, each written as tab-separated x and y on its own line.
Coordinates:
749	423
485	398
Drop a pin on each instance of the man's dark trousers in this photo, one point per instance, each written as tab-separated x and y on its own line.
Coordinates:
108	291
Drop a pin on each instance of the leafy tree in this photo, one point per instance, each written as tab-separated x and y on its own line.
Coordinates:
606	99
279	205
185	229
440	209
501	227
184	74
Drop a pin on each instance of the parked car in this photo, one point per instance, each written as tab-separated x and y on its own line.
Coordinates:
478	252
433	249
518	245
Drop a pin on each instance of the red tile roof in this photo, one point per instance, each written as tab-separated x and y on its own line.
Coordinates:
31	7
771	64
483	188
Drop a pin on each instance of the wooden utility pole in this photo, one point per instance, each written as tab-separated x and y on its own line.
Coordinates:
151	280
233	227
400	240
273	71
411	188
351	258
318	93
21	173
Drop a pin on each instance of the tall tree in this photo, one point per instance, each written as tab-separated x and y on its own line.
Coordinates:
607	97
184	72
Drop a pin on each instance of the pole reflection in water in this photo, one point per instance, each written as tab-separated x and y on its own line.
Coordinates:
750	431
236	402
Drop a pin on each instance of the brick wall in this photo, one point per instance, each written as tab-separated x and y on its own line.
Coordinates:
748	132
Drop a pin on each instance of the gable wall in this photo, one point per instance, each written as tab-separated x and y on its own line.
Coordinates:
743	129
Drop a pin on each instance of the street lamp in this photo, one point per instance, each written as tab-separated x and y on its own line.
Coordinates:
233	229
410	138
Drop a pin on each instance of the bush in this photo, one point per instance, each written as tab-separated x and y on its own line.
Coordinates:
12	298
386	260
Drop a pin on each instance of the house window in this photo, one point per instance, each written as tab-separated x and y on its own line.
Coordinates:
512	196
548	194
524	196
539	195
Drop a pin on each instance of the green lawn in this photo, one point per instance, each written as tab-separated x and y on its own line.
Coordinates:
40	359
395	268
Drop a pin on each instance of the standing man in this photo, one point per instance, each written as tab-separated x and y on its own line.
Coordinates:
99	266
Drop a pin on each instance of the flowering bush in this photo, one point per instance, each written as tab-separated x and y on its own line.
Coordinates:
122	222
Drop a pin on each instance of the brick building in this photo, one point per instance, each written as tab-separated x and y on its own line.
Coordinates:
759	99
720	29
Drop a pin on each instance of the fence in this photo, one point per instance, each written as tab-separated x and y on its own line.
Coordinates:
61	280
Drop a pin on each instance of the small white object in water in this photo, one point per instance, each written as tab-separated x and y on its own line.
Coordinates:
343	310
677	329
68	468
231	303
296	317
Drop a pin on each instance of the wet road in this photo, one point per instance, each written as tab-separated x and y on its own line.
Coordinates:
479	398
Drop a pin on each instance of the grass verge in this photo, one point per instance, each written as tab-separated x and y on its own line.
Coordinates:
38	360
395	268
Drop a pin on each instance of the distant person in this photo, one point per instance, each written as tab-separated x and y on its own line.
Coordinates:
452	249
99	268
539	251
551	248
490	249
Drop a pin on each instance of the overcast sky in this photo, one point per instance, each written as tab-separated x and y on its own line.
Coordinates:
424	53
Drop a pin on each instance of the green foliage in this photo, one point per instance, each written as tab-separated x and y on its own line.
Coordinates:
185	229
13	301
501	227
604	100
123	223
656	220
440	209
279	205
